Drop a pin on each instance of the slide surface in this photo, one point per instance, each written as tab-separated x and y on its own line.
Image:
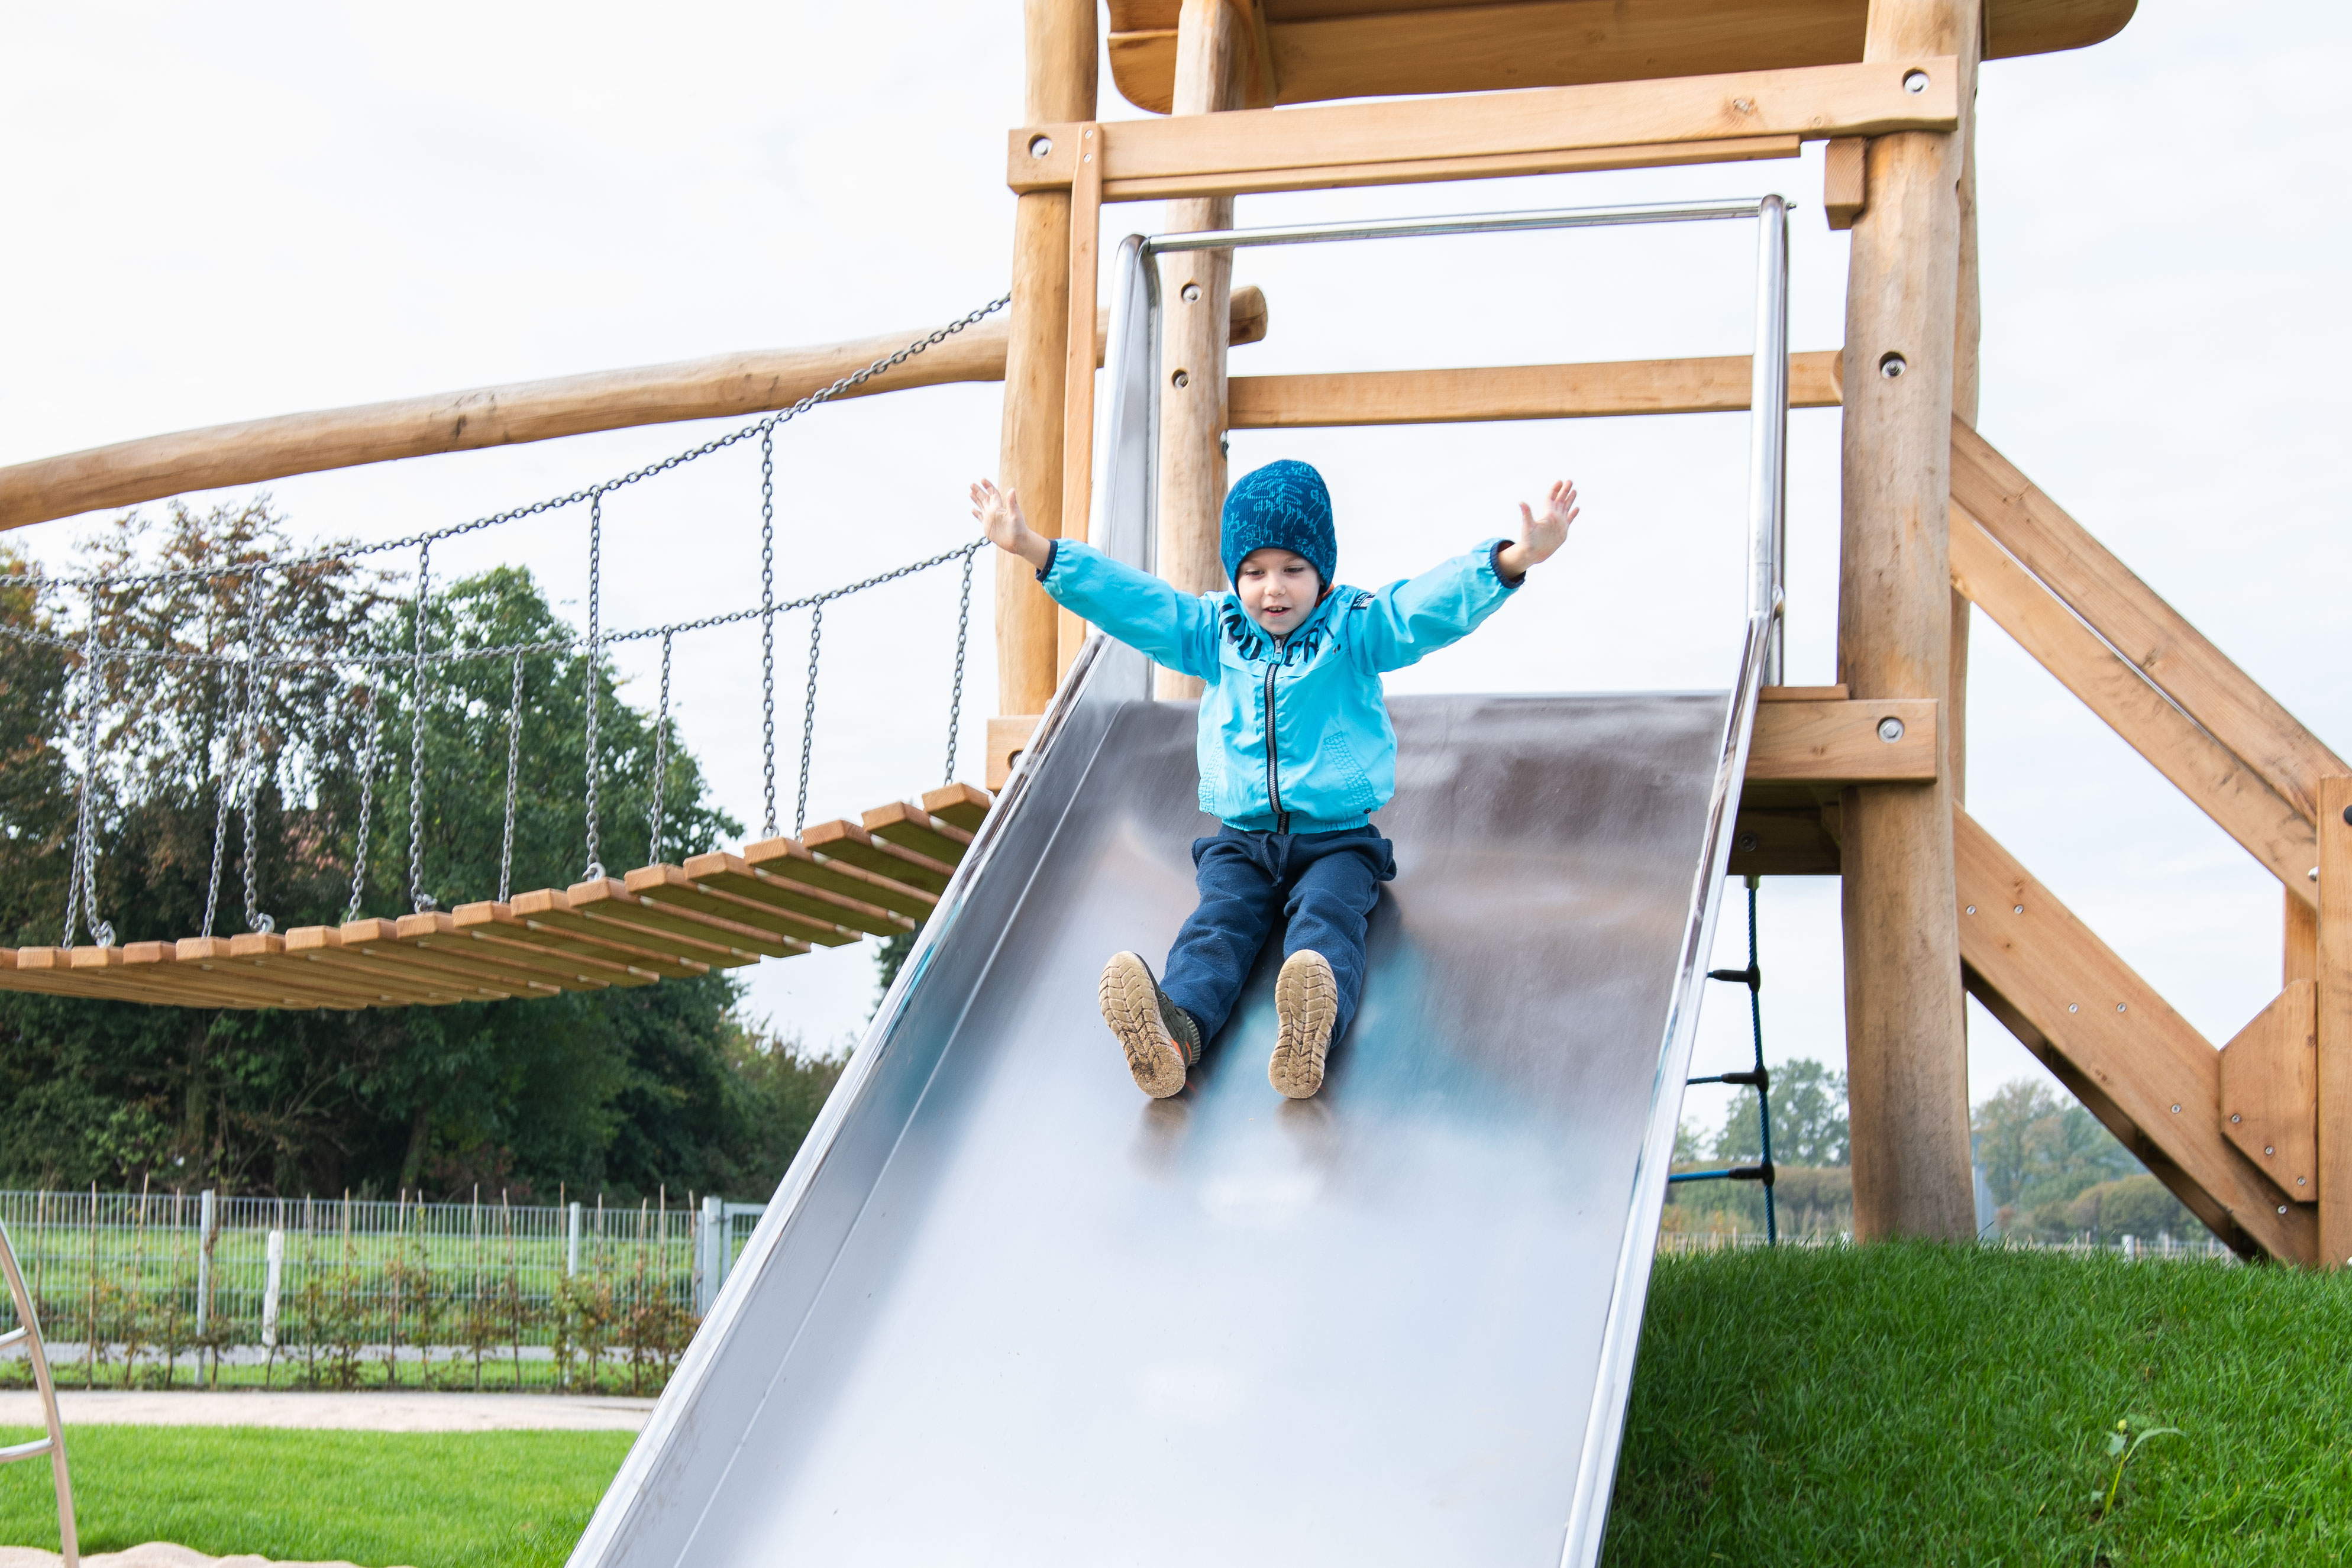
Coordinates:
1004	1310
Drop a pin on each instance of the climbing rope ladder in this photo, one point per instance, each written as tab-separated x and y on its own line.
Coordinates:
1759	1078
820	886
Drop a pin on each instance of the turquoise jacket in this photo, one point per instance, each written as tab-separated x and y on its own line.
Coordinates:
1293	735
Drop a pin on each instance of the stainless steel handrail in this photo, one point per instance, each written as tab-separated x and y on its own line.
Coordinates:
1461	223
28	1333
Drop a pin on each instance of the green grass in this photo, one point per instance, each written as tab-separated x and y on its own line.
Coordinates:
462	1499
1927	1405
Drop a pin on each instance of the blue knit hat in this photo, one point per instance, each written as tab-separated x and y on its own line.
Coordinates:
1283	505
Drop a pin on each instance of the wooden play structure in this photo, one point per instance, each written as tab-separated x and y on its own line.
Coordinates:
1863	779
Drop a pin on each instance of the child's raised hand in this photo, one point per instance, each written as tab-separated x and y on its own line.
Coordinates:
999	512
1540	536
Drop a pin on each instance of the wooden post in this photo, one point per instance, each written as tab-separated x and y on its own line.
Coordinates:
1212	53
2335	1022
1905	1048
1968	333
1061	46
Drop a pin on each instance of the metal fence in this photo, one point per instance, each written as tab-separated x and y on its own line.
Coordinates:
2207	1248
157	1289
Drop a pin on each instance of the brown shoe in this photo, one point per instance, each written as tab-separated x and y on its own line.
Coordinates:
1306	1004
1161	1040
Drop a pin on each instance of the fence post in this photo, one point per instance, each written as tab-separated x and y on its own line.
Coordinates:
571	1241
276	1256
205	1202
712	1258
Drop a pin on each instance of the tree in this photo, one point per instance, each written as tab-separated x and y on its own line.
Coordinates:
1809	1119
2039	1153
624	1090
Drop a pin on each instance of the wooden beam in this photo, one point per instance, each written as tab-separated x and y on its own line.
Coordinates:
1716	385
1079	373
2142	628
1496	166
1906	1041
2245	806
2142	1068
1781	840
1362	48
1839	743
1846	180
2270	1092
252	450
2335	1016
1202	155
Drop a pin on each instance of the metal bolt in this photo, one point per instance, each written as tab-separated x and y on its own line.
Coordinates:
2017	909
1890	729
2268	1150
2072	1008
2313	874
1747	843
2235	1117
1192	293
1181	379
2302	1181
2119	1006
1916	82
1972	909
1892	364
2348	816
2176	1110
1041	147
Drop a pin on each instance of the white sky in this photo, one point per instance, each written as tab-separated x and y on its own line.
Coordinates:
224	212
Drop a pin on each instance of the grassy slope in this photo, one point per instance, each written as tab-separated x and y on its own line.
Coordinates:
462	1499
1918	1406
1929	1406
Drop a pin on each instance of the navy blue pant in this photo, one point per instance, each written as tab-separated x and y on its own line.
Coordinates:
1325	882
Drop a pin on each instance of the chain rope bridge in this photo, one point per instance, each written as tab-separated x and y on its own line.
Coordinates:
820	886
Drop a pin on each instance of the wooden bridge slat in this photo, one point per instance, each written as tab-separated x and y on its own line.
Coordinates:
912	827
851	844
734	877
551	920
637	917
959	805
671	885
436	942
790	859
508	926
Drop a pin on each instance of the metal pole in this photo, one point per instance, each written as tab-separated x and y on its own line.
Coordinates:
205	1209
1768	464
1460	224
28	1330
270	1283
571	1241
714	1213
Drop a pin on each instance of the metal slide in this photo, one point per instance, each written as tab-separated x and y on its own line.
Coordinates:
1005	1311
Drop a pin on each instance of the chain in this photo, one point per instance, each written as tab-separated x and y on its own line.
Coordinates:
808	715
419	901
514	758
963	642
367	803
661	761
220	809
768	621
82	874
249	776
422	540
595	870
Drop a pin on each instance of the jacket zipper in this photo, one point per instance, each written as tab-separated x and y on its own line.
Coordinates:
1273	779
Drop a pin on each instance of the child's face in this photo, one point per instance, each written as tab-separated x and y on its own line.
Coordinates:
1278	588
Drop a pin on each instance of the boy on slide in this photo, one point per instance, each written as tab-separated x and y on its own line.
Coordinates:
1295	750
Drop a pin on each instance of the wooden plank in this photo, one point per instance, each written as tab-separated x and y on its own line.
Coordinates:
607	902
2144	629
2269	1092
247	975
266	958
2218	779
550	913
1008	738
539	921
912	827
1843	742
1811	102
670	885
2155	1073
849	844
737	878
1319	50
323	945
1212	185
790	860
1837	693
436	944
1777	840
1846	180
1598	391
2300	940
2335	1016
33	976
959	805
